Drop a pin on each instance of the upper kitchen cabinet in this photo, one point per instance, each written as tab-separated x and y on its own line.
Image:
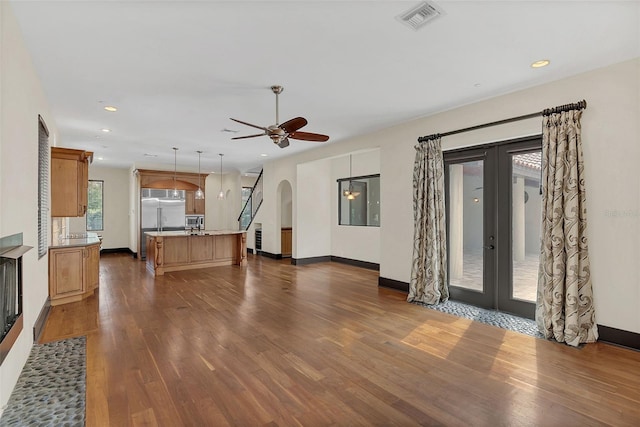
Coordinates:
192	205
69	181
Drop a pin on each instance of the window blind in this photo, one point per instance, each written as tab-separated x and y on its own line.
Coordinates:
43	187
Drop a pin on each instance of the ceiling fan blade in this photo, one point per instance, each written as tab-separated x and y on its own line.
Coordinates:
307	136
249	136
249	124
293	125
284	143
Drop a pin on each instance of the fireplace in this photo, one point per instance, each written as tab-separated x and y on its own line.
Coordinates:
11	251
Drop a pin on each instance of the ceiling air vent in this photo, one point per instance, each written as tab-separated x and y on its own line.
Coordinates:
420	15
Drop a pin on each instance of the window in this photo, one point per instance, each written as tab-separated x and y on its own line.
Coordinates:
359	201
43	187
95	199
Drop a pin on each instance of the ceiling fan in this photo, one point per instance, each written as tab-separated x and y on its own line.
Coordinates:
280	133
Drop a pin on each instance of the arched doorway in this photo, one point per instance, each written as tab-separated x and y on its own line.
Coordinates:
284	218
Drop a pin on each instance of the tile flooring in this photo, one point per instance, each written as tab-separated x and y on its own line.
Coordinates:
51	387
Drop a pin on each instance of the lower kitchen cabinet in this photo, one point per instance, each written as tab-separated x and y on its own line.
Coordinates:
74	273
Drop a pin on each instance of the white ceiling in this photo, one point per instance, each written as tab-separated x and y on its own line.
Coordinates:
178	70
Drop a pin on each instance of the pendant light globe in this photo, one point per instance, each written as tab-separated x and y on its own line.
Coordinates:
175	193
199	193
221	193
349	193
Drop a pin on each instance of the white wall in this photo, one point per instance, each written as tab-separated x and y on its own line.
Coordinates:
313	218
233	200
611	149
21	101
248	181
115	207
222	214
353	242
286	205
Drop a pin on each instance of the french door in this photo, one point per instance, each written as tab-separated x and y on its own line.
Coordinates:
493	224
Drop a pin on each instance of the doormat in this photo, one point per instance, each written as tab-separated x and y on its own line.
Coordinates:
51	387
490	317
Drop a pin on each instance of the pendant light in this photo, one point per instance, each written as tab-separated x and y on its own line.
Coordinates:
221	193
199	192
175	193
349	193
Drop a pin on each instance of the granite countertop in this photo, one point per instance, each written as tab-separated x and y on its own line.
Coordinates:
192	233
77	239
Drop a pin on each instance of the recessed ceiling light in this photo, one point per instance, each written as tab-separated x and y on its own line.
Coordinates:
105	130
99	158
110	108
541	63
263	155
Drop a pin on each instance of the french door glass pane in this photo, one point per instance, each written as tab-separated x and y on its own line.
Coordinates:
466	225
525	220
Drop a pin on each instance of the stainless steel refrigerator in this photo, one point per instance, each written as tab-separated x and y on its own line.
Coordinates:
160	211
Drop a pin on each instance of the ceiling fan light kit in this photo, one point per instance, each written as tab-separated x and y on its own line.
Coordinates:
280	133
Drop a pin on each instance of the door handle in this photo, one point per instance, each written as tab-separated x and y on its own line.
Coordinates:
491	245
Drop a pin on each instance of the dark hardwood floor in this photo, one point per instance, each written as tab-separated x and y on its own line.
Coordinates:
274	344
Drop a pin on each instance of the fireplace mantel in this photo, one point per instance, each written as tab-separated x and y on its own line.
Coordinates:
11	252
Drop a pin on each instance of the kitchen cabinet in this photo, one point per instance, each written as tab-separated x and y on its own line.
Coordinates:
192	205
74	273
69	181
92	267
286	241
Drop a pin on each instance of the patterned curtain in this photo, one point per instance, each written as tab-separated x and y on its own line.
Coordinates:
564	307
429	268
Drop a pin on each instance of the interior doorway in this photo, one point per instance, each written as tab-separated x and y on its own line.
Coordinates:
494	210
286	219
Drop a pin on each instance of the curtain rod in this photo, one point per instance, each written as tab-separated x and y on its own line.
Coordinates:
578	105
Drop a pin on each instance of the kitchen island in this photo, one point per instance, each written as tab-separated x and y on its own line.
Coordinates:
186	250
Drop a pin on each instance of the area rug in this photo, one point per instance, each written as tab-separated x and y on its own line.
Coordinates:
490	317
51	387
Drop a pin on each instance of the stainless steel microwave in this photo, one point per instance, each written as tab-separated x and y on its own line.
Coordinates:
194	221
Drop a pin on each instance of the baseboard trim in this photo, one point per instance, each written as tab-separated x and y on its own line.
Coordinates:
38	326
619	337
118	251
270	255
310	260
356	263
393	284
249	250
